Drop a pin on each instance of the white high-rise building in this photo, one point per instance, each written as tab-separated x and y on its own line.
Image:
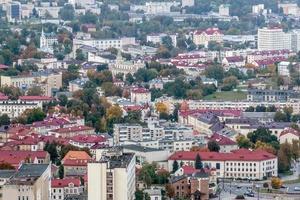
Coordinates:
295	37
224	10
13	11
112	177
273	39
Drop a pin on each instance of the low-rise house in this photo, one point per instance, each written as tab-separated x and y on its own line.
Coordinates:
289	135
61	188
72	131
75	163
226	144
233	62
140	96
88	141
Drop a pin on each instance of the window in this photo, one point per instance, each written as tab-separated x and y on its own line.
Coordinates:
218	166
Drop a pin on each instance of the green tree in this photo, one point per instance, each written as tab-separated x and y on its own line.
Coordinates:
167	42
61	172
284	157
63	100
51	148
213	146
4	120
175	166
67	12
243	142
215	71
264	135
229	83
198	162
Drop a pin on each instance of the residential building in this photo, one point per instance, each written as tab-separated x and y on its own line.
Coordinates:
140	96
289	8
270	95
13	11
105	174
289	135
273	39
226	144
224	10
187	3
257	9
155	8
87	141
125	132
62	188
283	68
72	131
203	37
77	84
295	37
75	163
5	175
158	38
241	163
31	181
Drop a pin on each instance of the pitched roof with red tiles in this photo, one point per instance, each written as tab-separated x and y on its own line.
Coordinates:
234	59
76	155
290	131
88	139
222	140
140	90
65	182
16	157
219	112
50	122
238	155
78	162
73	129
35	98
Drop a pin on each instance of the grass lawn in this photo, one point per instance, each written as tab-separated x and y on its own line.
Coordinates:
227	96
292	181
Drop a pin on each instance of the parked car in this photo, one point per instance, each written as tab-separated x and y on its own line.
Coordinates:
297	188
249	194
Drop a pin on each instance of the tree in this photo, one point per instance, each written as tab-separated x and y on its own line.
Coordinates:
264	146
167	42
4	120
161	107
114	112
214	46
250	109
198	162
61	172
63	100
243	142
51	148
266	185
276	183
260	108
35	91
67	12
295	149
215	71
175	166
140	195
229	83
5	165
264	135
147	174
213	146
284	157
33	115
170	190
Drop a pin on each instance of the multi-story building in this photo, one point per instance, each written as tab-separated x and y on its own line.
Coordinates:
140	96
295	37
126	132
120	66
104	43
241	163
31	181
273	39
203	37
112	177
283	68
158	7
62	188
158	38
48	81
289	8
13	11
257	9
224	10
47	41
5	175
75	163
270	95
187	3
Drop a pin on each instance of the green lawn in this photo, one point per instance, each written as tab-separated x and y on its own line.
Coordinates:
227	96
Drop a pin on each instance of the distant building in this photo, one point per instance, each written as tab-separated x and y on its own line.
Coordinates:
47	41
224	10
121	66
269	95
289	135
61	188
112	177
5	175
273	39
289	8
283	68
203	37
140	96
13	11
31	181
257	9
158	7
158	38
187	3
295	37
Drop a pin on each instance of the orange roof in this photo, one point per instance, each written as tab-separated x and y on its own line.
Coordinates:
77	155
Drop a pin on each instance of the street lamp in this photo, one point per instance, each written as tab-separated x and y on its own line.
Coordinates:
257	186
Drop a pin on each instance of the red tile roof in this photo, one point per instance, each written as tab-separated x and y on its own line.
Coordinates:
73	129
209	31
291	131
35	98
88	138
140	90
61	183
234	59
219	112
222	140
238	155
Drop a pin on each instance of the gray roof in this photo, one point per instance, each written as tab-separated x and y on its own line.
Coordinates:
139	148
31	170
7	173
